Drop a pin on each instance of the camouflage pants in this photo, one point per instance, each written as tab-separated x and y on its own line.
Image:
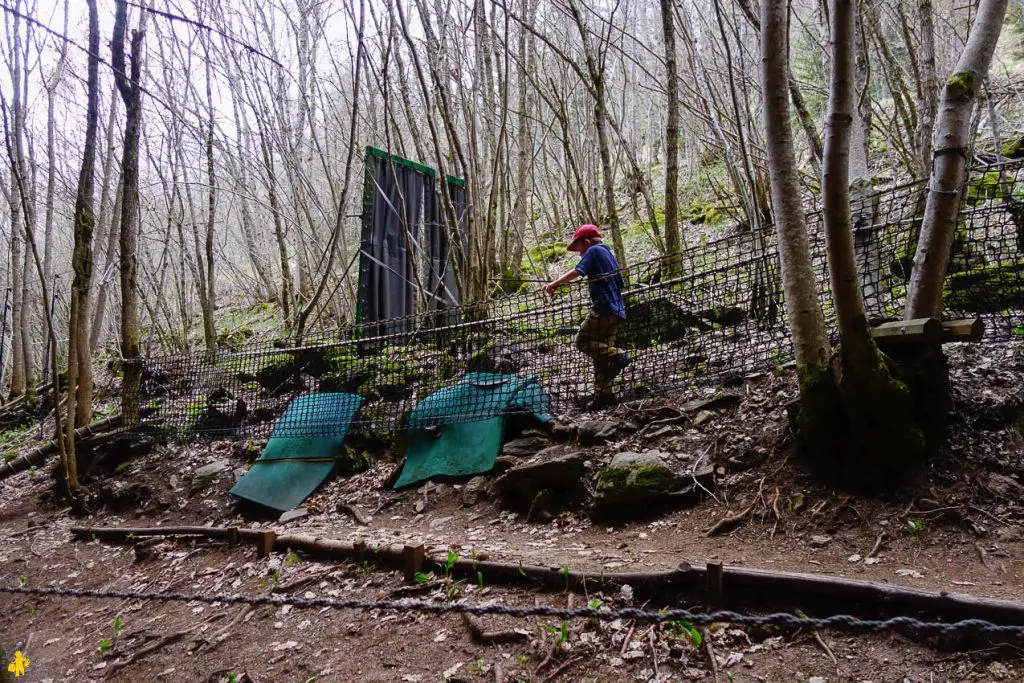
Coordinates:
596	339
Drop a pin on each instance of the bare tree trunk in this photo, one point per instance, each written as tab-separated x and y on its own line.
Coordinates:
302	317
668	30
79	389
806	323
859	352
18	379
109	256
929	88
952	142
131	93
51	155
20	349
524	140
208	298
595	58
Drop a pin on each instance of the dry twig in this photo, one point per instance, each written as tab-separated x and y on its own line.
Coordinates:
824	646
727	524
711	655
482	637
554	674
882	537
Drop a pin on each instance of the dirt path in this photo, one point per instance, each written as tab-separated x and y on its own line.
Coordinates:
960	530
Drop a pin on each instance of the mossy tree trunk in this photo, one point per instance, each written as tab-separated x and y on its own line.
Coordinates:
79	387
858	421
952	142
130	87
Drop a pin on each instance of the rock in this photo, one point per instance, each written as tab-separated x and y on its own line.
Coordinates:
292	515
721	400
476	488
563	432
1002	485
638	484
215	467
524	448
595	432
820	541
238	473
119	495
703	417
503	464
524	481
635	476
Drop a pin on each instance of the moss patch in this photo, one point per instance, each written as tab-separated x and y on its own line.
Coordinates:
632	478
963	85
872	430
986	288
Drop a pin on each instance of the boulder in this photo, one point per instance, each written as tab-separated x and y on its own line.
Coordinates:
639	484
524	481
596	432
525	448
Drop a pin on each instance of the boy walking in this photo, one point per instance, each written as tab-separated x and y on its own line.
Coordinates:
598	332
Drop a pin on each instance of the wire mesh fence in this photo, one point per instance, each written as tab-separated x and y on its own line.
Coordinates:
696	317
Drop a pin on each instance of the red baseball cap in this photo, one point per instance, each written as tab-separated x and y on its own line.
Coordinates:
584	232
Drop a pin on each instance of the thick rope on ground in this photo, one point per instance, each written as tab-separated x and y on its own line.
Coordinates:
842	622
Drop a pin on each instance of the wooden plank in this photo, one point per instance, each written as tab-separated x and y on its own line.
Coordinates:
716	580
917	331
413	556
968	330
265	543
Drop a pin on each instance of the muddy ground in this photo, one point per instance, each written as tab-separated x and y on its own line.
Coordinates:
959	529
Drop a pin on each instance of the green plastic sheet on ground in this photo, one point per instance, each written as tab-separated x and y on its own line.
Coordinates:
291	468
457	431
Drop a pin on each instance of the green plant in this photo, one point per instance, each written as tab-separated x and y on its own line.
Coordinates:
561	632
107	643
453	557
290	560
915	527
684	628
594	604
22	580
480	578
232	677
453	590
477	666
420	578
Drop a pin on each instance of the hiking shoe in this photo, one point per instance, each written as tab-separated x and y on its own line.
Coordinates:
617	365
600	401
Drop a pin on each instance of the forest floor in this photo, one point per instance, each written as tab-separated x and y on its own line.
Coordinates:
960	529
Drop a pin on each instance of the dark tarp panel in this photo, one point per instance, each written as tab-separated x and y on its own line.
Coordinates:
405	242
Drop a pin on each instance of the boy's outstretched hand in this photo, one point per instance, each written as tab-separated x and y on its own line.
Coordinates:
550	288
